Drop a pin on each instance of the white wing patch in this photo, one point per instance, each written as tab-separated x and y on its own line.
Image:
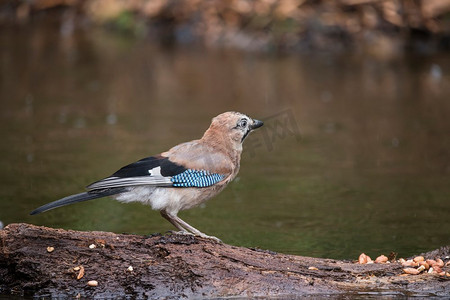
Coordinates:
155	178
155	172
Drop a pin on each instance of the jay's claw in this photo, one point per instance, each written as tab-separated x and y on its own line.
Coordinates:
215	239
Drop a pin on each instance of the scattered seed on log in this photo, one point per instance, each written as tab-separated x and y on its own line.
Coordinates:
81	273
424	263
411	271
381	259
92	283
409	263
431	262
421	268
439	262
418	259
364	259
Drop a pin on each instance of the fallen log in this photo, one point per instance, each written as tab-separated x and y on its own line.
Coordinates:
40	261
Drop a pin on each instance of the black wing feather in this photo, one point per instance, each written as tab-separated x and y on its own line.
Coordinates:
169	168
77	198
141	167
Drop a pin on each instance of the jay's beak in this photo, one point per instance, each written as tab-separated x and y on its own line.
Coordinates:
256	124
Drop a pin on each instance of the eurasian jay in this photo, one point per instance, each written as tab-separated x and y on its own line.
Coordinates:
183	177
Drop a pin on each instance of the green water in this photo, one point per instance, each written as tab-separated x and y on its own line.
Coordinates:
354	156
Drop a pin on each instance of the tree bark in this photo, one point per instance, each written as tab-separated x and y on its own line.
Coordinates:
40	261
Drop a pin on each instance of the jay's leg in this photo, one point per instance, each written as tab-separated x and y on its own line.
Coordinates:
183	226
169	218
194	230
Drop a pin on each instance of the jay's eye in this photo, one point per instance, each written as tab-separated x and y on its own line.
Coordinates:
242	123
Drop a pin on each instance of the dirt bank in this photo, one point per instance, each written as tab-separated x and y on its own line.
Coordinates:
384	27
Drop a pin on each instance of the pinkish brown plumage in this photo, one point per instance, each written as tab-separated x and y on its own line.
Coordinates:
180	178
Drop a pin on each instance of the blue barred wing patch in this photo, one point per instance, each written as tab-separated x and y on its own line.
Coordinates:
196	178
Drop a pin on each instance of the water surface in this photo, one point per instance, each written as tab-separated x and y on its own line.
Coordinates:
354	156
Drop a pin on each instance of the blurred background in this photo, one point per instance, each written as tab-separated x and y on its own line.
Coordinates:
355	94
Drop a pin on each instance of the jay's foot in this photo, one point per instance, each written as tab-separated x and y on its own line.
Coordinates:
217	240
201	234
181	232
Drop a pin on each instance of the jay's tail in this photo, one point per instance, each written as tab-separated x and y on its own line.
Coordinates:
77	198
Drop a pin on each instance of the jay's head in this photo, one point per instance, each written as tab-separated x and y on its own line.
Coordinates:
233	125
